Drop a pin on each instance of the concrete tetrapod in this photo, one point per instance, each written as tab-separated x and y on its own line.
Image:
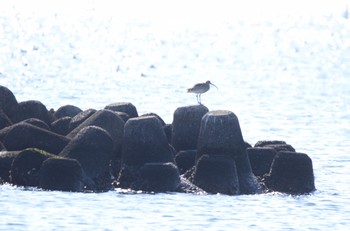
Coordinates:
145	150
186	125
291	172
220	134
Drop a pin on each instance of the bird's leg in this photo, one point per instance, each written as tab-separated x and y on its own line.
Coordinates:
197	98
200	100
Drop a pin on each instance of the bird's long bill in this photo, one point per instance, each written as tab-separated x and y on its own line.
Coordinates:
214	86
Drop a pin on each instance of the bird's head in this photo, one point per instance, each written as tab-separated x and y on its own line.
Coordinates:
208	82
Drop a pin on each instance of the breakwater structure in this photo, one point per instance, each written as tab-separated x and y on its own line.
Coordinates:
201	151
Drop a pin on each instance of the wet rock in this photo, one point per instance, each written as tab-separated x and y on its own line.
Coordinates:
37	123
25	168
80	118
126	107
217	174
261	159
67	110
144	141
4	120
61	126
8	102
61	174
93	148
186	125
291	172
23	135
6	159
31	109
220	134
185	160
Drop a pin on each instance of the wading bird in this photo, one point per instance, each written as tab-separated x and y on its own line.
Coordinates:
199	89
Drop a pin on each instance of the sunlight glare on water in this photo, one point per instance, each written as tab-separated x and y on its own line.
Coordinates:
281	66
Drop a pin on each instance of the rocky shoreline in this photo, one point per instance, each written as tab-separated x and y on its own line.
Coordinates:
202	151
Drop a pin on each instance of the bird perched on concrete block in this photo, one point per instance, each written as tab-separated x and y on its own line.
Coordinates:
199	89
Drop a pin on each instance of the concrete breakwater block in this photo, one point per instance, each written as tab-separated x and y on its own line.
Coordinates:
185	160
185	127
6	159
67	110
106	119
248	182
61	174
263	143
61	125
93	147
155	115
159	177
23	135
291	172
145	149
220	134
80	118
278	145
111	123
4	120
2	147
26	165
216	174
144	141
125	107
31	109
8	102
38	123
282	147
261	159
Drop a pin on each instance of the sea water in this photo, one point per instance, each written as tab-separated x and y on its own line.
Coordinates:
282	67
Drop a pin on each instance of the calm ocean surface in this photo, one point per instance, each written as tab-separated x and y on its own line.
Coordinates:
282	68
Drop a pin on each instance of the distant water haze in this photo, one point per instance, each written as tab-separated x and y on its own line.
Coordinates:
282	67
181	11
